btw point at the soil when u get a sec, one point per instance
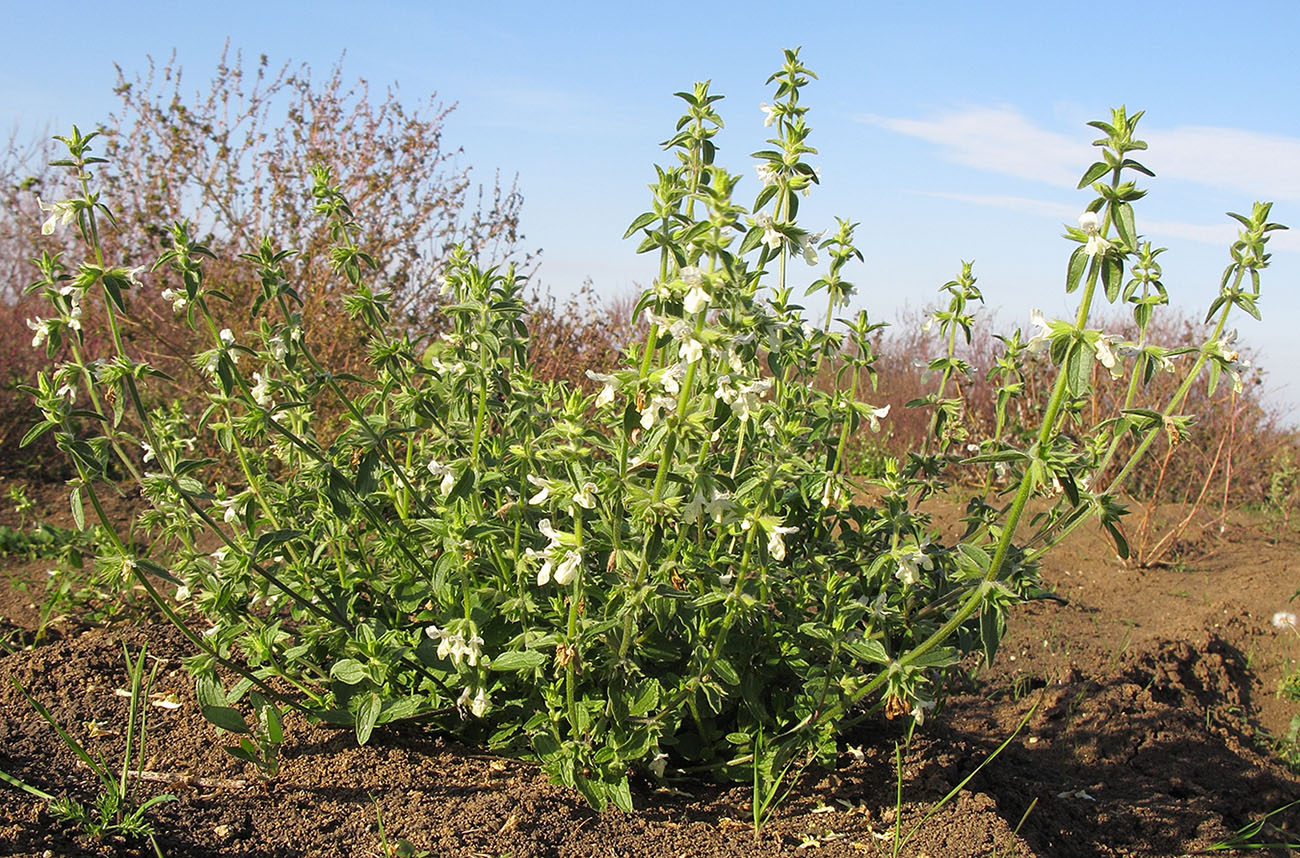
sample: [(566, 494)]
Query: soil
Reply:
[(1150, 699)]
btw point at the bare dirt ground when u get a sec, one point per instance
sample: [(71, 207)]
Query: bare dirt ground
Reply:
[(1156, 708)]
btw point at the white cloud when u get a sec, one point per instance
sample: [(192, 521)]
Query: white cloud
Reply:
[(1262, 166), (1003, 140), (1040, 208)]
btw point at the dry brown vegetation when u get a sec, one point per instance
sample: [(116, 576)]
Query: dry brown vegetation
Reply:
[(231, 155)]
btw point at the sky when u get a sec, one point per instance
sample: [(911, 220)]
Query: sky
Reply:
[(949, 131)]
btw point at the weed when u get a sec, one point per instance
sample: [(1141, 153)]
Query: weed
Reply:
[(399, 848), (114, 811), (259, 743), (900, 840), (1253, 835)]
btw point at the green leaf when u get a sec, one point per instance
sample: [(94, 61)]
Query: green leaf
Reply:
[(463, 485), (991, 628), (1079, 369), (647, 700), (113, 286), (620, 794), (349, 671), (226, 718), (1124, 224), (1112, 274), (275, 537), (1095, 172), (78, 510), (518, 661), (641, 222), (726, 672), (1247, 303), (35, 432), (367, 716), (400, 709), (1078, 261), (1117, 536)]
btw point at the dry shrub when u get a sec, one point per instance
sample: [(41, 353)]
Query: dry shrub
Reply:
[(1234, 442), (233, 158), (584, 333)]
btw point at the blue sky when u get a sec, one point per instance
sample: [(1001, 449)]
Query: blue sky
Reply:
[(951, 131)]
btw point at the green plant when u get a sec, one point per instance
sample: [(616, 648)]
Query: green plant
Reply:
[(47, 540), (900, 839), (115, 810), (22, 503), (399, 848), (1283, 485), (1252, 834), (771, 771), (675, 567), (259, 743)]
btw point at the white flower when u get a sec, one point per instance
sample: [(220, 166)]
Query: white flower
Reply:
[(747, 399), (875, 415), (1044, 336), (650, 413), (543, 493), (658, 764), (233, 507), (1106, 356), (766, 174), (691, 349), (696, 299), (771, 236), (178, 299), (807, 246), (568, 567), (42, 331), (480, 705), (671, 377), (776, 541), (148, 451), (832, 494), (61, 214), (911, 563), (550, 533), (733, 358), (1284, 620), (1096, 244), (453, 645), (606, 395), (770, 110), (227, 338), (447, 474), (261, 395), (716, 505), (586, 498)]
